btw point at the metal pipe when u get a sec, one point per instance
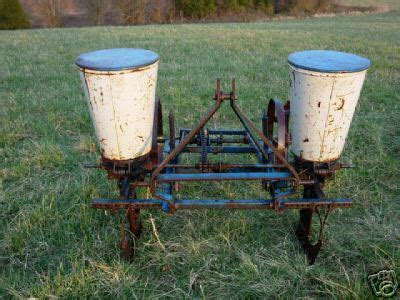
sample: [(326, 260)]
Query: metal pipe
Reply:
[(226, 132), (220, 149), (223, 140), (228, 165), (221, 203), (253, 140), (224, 176)]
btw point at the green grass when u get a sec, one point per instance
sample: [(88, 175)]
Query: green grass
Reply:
[(392, 4), (53, 244)]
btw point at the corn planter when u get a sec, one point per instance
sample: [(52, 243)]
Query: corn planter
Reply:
[(120, 88)]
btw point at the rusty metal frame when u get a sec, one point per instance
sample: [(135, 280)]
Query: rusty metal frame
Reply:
[(249, 126), (281, 178)]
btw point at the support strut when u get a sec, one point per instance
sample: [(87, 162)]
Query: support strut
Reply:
[(303, 231), (128, 244)]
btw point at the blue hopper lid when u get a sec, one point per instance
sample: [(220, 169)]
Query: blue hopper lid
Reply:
[(117, 59), (328, 61)]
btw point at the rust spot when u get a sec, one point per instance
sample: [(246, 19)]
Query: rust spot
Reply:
[(319, 104), (341, 104)]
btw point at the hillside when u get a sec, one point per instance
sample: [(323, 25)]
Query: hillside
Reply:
[(74, 13)]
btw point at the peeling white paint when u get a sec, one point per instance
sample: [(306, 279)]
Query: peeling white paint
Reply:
[(121, 105), (322, 108)]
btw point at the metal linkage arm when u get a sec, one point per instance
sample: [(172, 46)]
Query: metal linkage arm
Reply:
[(278, 155), (187, 139)]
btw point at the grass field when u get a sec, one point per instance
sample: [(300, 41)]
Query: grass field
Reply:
[(391, 4), (53, 244)]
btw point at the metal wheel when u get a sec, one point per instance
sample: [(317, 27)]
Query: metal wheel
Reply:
[(156, 147), (279, 114)]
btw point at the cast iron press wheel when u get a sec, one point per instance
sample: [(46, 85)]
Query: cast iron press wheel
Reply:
[(157, 146), (279, 114)]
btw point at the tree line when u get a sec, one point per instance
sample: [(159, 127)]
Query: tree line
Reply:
[(13, 16)]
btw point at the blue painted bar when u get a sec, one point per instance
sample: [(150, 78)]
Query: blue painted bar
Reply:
[(127, 202), (219, 131), (164, 196), (227, 131), (213, 149), (223, 203), (219, 203), (221, 149), (224, 176)]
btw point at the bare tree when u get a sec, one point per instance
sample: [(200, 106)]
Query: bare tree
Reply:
[(281, 5), (133, 11), (155, 11), (170, 11), (51, 12), (95, 11)]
